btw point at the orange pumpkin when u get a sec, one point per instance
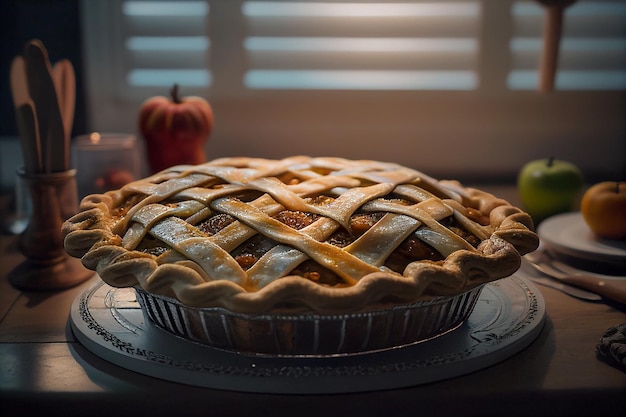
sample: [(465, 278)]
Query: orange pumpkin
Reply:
[(604, 209), (175, 129)]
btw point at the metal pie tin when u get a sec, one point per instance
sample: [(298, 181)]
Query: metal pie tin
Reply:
[(309, 334)]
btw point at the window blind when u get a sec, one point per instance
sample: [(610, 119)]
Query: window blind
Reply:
[(347, 45), (423, 76), (166, 42), (592, 51), (355, 46)]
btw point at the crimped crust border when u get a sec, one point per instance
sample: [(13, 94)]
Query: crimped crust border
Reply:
[(88, 236)]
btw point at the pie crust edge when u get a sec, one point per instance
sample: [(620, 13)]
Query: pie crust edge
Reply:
[(88, 236)]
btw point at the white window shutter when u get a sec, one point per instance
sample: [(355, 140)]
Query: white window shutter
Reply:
[(444, 83), (166, 42), (361, 46), (346, 45)]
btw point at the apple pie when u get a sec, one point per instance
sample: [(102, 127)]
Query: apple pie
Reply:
[(302, 238)]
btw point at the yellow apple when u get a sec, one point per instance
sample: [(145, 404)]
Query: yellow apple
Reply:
[(604, 209)]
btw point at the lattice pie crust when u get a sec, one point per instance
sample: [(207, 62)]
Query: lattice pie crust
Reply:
[(313, 234)]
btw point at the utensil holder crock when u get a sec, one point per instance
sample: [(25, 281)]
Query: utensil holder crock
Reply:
[(47, 265)]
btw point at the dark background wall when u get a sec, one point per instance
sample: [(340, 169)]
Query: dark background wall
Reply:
[(57, 24)]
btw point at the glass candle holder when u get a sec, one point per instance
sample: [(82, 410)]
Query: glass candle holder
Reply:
[(105, 161)]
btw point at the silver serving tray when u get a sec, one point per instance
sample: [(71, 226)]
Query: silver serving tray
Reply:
[(507, 317)]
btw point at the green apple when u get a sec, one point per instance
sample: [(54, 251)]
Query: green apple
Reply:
[(549, 186)]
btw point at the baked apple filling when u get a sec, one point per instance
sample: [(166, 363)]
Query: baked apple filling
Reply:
[(415, 247)]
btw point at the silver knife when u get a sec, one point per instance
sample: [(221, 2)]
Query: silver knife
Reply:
[(612, 288), (567, 289)]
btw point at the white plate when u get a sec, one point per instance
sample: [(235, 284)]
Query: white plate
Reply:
[(508, 316), (569, 235)]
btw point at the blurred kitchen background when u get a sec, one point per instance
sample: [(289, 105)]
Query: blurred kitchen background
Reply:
[(446, 87)]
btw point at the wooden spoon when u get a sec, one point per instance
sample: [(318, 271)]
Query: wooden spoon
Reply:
[(552, 28)]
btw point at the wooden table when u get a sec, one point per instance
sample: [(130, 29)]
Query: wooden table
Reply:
[(44, 370)]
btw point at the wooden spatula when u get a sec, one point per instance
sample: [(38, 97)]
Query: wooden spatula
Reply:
[(65, 85), (19, 84), (55, 156), (28, 130), (26, 117)]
